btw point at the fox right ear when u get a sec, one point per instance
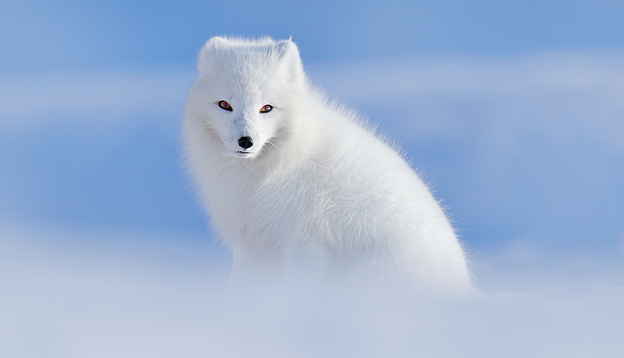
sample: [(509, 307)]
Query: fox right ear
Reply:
[(207, 52)]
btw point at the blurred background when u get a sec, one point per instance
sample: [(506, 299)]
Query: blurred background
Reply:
[(512, 111)]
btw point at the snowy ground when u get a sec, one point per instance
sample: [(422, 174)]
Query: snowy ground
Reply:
[(130, 295)]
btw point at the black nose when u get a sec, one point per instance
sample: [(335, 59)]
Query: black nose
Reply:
[(245, 142)]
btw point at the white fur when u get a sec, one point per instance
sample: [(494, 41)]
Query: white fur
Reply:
[(318, 197)]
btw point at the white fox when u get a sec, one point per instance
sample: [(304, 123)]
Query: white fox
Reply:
[(299, 189)]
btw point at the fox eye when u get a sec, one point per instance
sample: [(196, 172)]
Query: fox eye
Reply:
[(225, 105), (266, 108)]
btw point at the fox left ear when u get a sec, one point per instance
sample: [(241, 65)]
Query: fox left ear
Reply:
[(288, 53), (285, 46)]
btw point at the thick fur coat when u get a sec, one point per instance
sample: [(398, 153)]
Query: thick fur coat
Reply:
[(302, 191)]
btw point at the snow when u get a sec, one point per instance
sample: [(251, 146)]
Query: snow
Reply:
[(141, 295)]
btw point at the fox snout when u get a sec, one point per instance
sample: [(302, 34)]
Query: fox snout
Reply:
[(244, 136)]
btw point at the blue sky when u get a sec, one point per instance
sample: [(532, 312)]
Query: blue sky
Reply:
[(513, 112), (76, 33)]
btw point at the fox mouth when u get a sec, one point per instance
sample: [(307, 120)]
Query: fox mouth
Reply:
[(242, 154), (249, 154)]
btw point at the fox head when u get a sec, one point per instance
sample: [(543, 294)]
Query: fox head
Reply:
[(244, 91)]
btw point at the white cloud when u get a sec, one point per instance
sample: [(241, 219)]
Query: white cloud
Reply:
[(566, 95), (477, 75), (96, 95)]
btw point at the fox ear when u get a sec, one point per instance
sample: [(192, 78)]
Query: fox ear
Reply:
[(287, 49), (216, 42), (207, 53), (288, 54)]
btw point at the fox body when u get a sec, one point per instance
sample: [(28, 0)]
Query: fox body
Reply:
[(301, 190)]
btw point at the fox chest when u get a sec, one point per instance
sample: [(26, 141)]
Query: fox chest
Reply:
[(265, 210)]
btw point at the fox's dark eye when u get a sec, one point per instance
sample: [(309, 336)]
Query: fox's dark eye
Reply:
[(225, 105), (266, 108)]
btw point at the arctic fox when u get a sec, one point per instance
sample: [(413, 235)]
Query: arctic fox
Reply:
[(299, 189)]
